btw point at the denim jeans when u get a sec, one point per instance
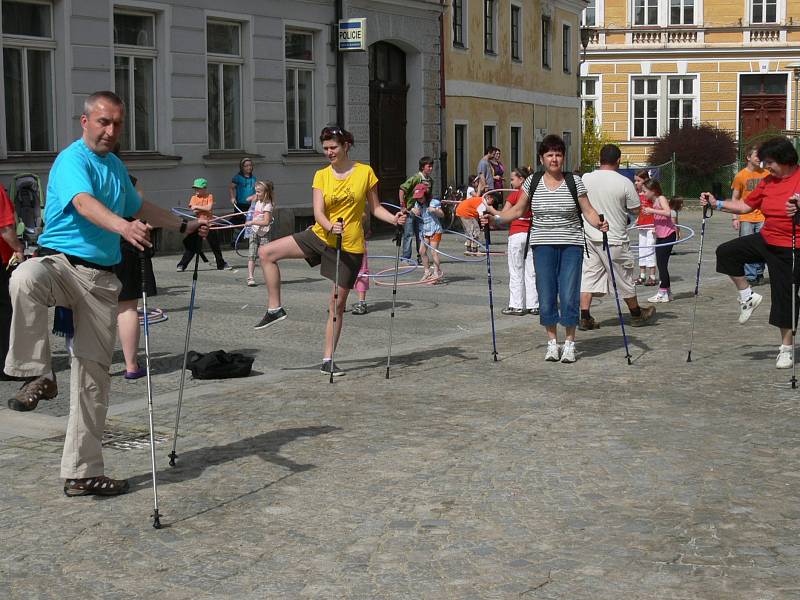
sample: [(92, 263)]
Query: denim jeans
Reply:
[(411, 231), (751, 270), (558, 281)]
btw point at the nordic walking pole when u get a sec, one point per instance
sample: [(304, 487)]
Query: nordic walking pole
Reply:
[(172, 455), (336, 295), (707, 211), (156, 514), (607, 248), (398, 236), (793, 380), (487, 236)]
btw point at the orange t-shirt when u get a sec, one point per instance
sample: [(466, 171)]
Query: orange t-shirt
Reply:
[(203, 205), (746, 181), (468, 209)]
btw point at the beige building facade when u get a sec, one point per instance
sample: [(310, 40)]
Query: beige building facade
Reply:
[(653, 65), (511, 77)]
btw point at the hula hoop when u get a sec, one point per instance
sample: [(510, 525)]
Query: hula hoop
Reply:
[(675, 243), (429, 281), (236, 245), (189, 214), (155, 315), (412, 265)]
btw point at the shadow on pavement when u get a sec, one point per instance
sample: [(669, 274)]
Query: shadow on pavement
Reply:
[(192, 463)]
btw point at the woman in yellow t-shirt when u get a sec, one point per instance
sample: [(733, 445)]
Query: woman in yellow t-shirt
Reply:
[(341, 190)]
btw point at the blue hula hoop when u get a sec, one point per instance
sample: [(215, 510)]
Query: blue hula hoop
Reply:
[(412, 266)]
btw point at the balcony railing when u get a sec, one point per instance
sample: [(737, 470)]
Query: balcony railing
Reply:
[(689, 36)]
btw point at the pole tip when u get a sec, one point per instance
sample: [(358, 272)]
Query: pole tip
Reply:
[(689, 357)]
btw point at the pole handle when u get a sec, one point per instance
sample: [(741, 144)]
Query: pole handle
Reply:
[(708, 210), (339, 236), (605, 234)]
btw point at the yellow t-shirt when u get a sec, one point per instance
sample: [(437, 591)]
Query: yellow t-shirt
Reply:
[(746, 181), (345, 198)]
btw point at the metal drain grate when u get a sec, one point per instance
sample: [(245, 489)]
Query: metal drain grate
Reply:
[(129, 440)]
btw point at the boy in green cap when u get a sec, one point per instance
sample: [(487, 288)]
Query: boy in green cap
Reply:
[(202, 204)]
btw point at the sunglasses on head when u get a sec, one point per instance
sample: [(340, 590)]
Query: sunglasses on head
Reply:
[(333, 131)]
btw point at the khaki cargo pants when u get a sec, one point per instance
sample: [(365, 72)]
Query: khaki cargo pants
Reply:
[(37, 284)]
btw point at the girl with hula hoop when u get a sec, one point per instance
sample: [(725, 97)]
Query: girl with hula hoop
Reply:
[(341, 193), (666, 233)]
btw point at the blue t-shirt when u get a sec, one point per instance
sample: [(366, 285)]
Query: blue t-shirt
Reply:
[(79, 170), (245, 187), (430, 222)]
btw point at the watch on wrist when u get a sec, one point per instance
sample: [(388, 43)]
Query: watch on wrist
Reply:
[(184, 225)]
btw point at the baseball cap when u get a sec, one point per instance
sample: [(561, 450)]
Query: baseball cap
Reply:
[(200, 183)]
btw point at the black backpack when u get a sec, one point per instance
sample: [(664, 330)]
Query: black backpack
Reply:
[(573, 189), (219, 365)]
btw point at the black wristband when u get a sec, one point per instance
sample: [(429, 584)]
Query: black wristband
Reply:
[(184, 225)]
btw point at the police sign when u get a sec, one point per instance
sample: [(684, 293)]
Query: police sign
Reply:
[(352, 34)]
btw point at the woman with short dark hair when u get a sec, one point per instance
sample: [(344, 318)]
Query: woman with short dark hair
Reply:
[(557, 242), (776, 197)]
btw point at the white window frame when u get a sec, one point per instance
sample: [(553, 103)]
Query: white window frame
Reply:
[(596, 98), (663, 97), (520, 32), (683, 10), (646, 97), (660, 9), (321, 41), (680, 96), (25, 43), (584, 23), (308, 66), (495, 29), (139, 52), (465, 163), (780, 12), (516, 161)]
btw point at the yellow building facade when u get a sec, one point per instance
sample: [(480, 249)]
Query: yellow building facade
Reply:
[(511, 77), (652, 65)]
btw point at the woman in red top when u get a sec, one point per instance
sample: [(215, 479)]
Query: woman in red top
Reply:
[(523, 298), (645, 224), (776, 197)]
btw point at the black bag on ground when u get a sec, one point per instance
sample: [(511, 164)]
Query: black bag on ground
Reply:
[(219, 365)]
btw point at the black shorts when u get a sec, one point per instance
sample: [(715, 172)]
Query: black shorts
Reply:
[(318, 252), (735, 253), (129, 273)]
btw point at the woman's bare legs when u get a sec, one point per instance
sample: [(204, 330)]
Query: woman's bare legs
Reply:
[(128, 326), (269, 255), (330, 342)]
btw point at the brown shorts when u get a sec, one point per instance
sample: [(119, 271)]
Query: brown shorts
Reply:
[(318, 252)]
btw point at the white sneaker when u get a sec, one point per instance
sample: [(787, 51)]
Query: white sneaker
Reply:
[(747, 307), (661, 297), (784, 360), (552, 351), (568, 352)]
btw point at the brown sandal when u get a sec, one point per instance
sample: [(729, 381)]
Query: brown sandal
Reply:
[(99, 486), (27, 398)]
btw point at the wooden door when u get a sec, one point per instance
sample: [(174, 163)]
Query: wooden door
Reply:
[(387, 118), (762, 103)]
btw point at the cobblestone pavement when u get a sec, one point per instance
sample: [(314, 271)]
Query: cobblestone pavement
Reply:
[(457, 477)]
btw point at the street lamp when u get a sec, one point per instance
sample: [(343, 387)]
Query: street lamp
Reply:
[(795, 67), (586, 37)]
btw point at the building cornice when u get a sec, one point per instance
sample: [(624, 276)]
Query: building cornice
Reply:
[(574, 6), (401, 6), (489, 91), (740, 53)]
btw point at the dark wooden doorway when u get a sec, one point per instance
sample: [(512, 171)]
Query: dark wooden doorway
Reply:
[(387, 117), (762, 104)]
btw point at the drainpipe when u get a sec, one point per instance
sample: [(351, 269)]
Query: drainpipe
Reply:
[(442, 107), (339, 12)]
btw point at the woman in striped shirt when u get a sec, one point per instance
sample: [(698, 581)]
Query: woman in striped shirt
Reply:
[(557, 241)]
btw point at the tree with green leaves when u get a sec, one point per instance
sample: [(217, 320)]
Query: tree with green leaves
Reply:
[(593, 140)]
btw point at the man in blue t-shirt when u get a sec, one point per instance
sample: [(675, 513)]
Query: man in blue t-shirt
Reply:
[(89, 194)]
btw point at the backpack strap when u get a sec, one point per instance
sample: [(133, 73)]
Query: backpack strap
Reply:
[(535, 179), (573, 189)]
